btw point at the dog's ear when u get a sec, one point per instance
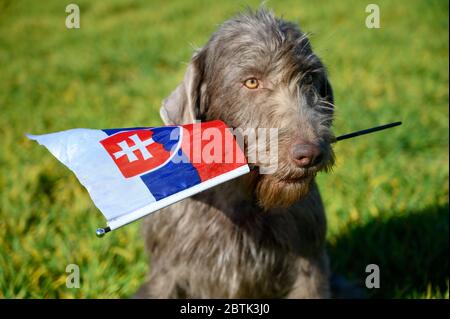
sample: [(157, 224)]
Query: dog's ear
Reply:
[(183, 104)]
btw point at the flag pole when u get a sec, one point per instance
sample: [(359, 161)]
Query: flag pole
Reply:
[(100, 232), (367, 131)]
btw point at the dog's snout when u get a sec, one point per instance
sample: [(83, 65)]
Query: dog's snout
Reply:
[(307, 154)]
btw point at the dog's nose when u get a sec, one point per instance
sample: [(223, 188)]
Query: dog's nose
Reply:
[(306, 155)]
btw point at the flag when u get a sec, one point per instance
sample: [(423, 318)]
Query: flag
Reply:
[(132, 172)]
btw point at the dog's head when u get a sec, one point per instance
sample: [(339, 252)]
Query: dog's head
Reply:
[(258, 71)]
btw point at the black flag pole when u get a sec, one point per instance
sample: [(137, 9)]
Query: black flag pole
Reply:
[(367, 131), (100, 232)]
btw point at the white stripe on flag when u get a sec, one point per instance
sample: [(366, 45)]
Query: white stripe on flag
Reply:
[(80, 150)]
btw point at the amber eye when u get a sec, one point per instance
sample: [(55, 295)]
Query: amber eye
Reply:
[(251, 83)]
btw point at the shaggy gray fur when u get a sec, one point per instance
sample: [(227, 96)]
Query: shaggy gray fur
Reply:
[(260, 235)]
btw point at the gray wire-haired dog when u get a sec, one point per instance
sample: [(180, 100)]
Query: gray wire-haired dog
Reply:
[(259, 235)]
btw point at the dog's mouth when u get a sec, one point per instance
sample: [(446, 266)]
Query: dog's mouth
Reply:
[(288, 178)]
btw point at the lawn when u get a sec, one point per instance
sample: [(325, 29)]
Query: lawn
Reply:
[(386, 200)]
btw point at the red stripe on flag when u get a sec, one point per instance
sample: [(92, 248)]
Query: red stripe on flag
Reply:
[(211, 148)]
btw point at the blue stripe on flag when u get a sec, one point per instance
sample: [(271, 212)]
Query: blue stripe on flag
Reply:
[(116, 130), (171, 178), (167, 136)]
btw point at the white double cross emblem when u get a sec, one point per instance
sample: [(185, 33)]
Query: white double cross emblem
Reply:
[(139, 145)]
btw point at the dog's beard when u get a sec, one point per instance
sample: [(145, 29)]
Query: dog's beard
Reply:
[(285, 187), (271, 192)]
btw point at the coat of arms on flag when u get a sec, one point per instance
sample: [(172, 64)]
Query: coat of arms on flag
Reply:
[(132, 172)]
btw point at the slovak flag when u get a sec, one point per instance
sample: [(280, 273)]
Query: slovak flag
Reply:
[(132, 172)]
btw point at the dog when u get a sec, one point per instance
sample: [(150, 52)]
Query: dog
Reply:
[(260, 235)]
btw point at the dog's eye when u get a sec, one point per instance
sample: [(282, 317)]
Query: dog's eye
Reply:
[(308, 79), (252, 83)]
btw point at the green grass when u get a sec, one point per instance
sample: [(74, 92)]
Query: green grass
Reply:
[(387, 199)]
